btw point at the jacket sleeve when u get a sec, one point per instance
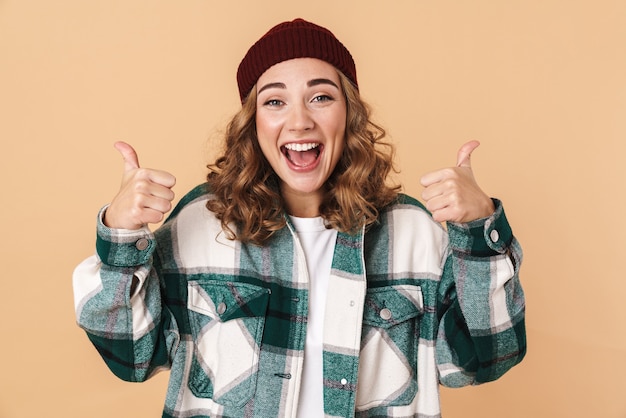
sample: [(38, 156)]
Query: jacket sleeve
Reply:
[(134, 333), (481, 331)]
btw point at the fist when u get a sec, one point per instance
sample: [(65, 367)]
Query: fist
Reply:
[(145, 195), (452, 194)]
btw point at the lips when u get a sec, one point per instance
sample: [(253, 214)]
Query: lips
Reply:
[(302, 155)]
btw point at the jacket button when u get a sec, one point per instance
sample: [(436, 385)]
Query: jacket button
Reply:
[(221, 308), (385, 314), (494, 235), (142, 244)]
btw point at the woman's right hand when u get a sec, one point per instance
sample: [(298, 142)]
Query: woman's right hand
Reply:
[(145, 195)]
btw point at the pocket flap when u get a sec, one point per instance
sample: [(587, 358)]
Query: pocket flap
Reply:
[(223, 300), (390, 305)]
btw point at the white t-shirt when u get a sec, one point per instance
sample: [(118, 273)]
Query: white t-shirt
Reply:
[(318, 244)]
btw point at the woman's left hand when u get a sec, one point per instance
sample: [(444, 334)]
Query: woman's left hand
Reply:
[(452, 194)]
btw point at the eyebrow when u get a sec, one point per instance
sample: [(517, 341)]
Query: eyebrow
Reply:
[(318, 81), (310, 83), (271, 86)]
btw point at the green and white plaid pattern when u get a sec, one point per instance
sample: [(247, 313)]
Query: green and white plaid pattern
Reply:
[(410, 305)]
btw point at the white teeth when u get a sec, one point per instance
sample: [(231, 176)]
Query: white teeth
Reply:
[(301, 147)]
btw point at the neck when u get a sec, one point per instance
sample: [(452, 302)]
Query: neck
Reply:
[(302, 205)]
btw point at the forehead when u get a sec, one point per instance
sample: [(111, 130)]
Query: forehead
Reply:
[(299, 69)]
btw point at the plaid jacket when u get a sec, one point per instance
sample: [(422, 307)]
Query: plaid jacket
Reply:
[(409, 306)]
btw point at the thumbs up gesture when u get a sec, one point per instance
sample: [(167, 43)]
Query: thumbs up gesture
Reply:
[(145, 195), (452, 194)]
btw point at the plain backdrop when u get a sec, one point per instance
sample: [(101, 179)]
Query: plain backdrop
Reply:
[(541, 83)]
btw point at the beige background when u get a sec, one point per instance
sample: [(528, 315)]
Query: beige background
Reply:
[(541, 83)]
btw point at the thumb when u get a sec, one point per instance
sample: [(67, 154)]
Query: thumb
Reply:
[(464, 154), (131, 161)]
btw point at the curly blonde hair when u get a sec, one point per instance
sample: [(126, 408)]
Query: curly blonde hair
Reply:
[(247, 190)]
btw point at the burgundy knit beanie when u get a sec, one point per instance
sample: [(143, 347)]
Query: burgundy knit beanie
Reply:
[(288, 40)]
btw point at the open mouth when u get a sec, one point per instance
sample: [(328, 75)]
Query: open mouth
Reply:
[(302, 154)]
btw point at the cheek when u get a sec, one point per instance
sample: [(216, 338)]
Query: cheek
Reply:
[(267, 129), (262, 133), (267, 137), (259, 126), (339, 149), (340, 123), (340, 134)]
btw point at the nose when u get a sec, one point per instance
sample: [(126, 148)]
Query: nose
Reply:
[(299, 118)]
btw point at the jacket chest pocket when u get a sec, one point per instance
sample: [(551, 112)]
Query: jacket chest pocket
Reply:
[(227, 321), (389, 346)]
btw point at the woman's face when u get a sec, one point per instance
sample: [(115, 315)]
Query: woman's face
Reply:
[(301, 122)]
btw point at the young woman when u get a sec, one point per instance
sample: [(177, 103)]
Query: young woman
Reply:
[(297, 282)]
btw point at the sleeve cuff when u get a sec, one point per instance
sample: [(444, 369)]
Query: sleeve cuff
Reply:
[(123, 247), (483, 237)]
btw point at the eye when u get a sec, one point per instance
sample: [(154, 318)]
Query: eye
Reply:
[(322, 98), (273, 103)]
